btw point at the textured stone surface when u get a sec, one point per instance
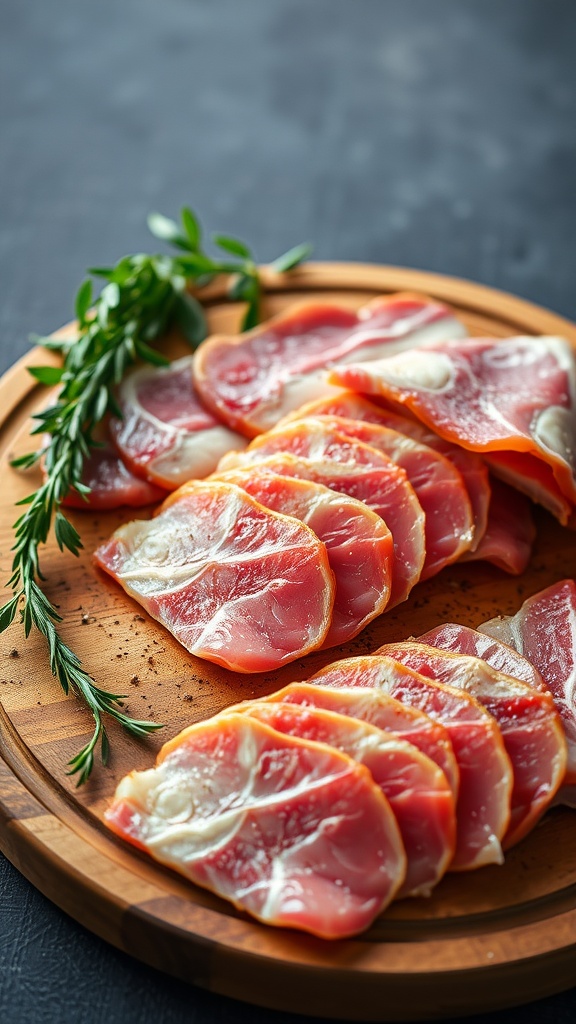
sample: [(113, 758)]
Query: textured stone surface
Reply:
[(435, 134)]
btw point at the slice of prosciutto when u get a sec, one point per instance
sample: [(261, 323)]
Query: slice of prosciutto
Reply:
[(252, 380), (415, 787), (166, 434), (544, 632), (358, 542), (111, 484), (483, 807), (438, 485), (294, 833), (471, 467), (510, 531), (385, 712), (529, 723), (451, 636), (233, 582), (344, 464), (513, 399)]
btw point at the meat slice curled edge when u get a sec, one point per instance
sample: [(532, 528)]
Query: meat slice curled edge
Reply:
[(529, 723), (234, 582), (166, 435), (483, 807), (544, 632), (512, 398), (291, 831), (252, 380)]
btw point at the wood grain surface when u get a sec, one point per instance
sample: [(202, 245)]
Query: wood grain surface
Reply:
[(494, 938)]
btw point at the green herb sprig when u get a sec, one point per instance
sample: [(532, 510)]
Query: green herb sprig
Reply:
[(142, 298)]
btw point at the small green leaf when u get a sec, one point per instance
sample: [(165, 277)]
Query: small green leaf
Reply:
[(8, 612), (232, 245), (26, 461), (292, 258), (190, 318), (192, 228), (150, 355), (166, 230), (252, 315), (47, 374), (241, 287), (83, 300), (66, 535)]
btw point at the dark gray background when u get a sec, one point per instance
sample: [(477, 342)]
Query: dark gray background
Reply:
[(438, 134)]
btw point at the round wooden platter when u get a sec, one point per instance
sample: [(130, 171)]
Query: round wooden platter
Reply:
[(494, 938)]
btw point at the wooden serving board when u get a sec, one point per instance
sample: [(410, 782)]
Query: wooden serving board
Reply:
[(490, 939)]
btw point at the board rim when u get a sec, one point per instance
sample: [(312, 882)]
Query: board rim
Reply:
[(32, 833)]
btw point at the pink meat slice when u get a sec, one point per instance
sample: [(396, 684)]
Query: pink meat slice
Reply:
[(358, 543), (511, 398), (166, 434), (416, 789), (510, 532), (234, 582), (252, 380), (438, 485), (111, 484), (294, 833), (380, 709), (471, 467), (483, 807), (462, 640), (329, 457), (529, 723), (544, 632)]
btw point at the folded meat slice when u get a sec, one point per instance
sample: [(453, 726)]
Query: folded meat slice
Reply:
[(544, 632), (166, 434), (111, 484), (471, 467), (329, 457), (462, 640), (293, 832), (251, 380), (358, 542), (512, 398), (438, 485), (510, 531), (380, 709), (234, 582), (529, 723), (483, 807), (416, 788)]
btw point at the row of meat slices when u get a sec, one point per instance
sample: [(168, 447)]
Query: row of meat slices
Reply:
[(388, 508), (317, 806)]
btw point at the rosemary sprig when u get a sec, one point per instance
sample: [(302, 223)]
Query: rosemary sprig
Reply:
[(143, 296)]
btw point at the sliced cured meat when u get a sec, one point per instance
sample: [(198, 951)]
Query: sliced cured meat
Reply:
[(529, 723), (504, 658), (512, 398), (510, 532), (473, 470), (166, 434), (438, 485), (358, 543), (293, 832), (379, 709), (483, 807), (415, 787), (234, 582), (111, 484), (343, 464), (544, 631), (250, 381)]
